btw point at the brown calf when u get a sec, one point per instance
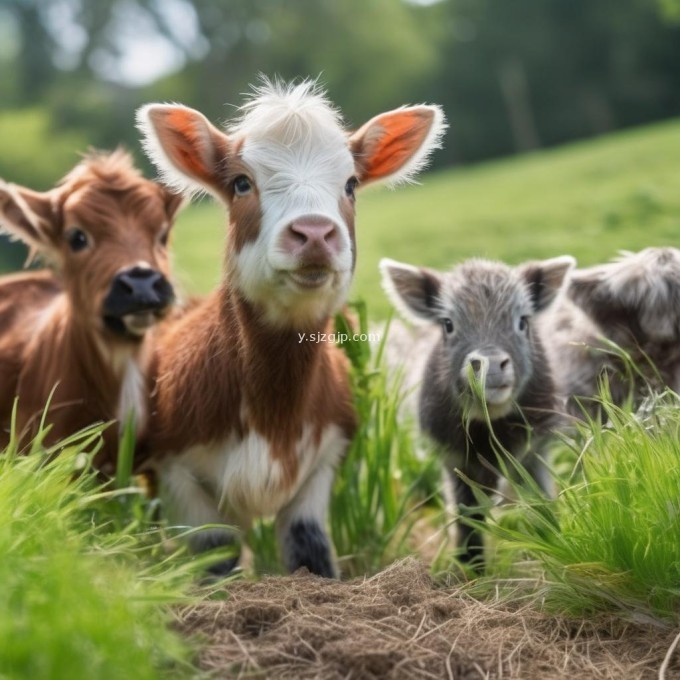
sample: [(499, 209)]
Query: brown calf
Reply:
[(248, 418), (83, 329)]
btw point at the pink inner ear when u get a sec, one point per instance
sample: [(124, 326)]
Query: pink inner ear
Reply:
[(403, 133), (183, 135)]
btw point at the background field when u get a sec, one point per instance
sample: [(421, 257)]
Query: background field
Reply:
[(589, 199)]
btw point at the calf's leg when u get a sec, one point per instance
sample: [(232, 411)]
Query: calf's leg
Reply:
[(188, 503), (470, 540), (300, 526)]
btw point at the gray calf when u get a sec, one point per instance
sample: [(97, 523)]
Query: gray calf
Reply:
[(487, 381), (632, 302)]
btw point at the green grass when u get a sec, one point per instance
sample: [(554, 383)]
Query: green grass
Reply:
[(609, 542), (381, 486), (588, 199), (86, 583)]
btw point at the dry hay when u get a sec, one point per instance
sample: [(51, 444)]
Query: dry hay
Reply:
[(398, 625)]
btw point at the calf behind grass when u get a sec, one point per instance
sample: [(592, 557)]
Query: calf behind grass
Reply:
[(246, 420), (618, 324), (487, 386), (79, 333)]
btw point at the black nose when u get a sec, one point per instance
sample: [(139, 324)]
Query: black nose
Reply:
[(138, 289)]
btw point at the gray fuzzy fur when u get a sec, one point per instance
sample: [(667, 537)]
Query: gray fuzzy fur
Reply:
[(485, 303), (632, 302)]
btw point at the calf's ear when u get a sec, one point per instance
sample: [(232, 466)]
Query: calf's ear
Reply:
[(586, 290), (185, 147), (414, 291), (545, 279), (29, 216), (395, 146)]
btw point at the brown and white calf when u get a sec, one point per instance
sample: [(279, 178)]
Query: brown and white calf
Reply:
[(246, 419), (629, 305), (83, 327)]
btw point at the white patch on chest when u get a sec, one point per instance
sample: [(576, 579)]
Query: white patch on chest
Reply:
[(243, 478), (132, 399)]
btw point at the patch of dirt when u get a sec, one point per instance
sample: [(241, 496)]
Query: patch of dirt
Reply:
[(399, 625)]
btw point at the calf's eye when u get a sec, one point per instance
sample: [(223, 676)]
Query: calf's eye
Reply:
[(351, 186), (242, 186), (447, 325), (523, 325), (77, 239)]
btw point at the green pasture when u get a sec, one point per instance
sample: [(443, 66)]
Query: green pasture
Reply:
[(589, 199)]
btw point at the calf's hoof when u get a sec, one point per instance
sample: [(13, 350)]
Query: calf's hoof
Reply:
[(307, 545), (214, 540)]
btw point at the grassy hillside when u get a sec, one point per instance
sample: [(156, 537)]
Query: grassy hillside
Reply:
[(589, 199)]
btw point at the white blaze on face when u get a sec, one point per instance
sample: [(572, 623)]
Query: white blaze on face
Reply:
[(300, 162), (292, 159)]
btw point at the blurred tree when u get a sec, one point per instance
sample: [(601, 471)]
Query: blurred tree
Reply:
[(75, 52), (515, 75), (366, 68), (670, 10), (512, 75), (35, 69)]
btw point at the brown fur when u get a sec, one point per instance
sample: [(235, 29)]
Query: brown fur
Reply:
[(18, 293), (245, 217), (245, 214), (240, 381), (51, 328)]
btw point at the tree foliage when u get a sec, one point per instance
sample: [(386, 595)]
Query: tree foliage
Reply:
[(512, 75), (670, 10), (540, 72)]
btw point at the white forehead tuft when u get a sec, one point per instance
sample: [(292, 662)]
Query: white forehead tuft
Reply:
[(287, 112), (295, 143)]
